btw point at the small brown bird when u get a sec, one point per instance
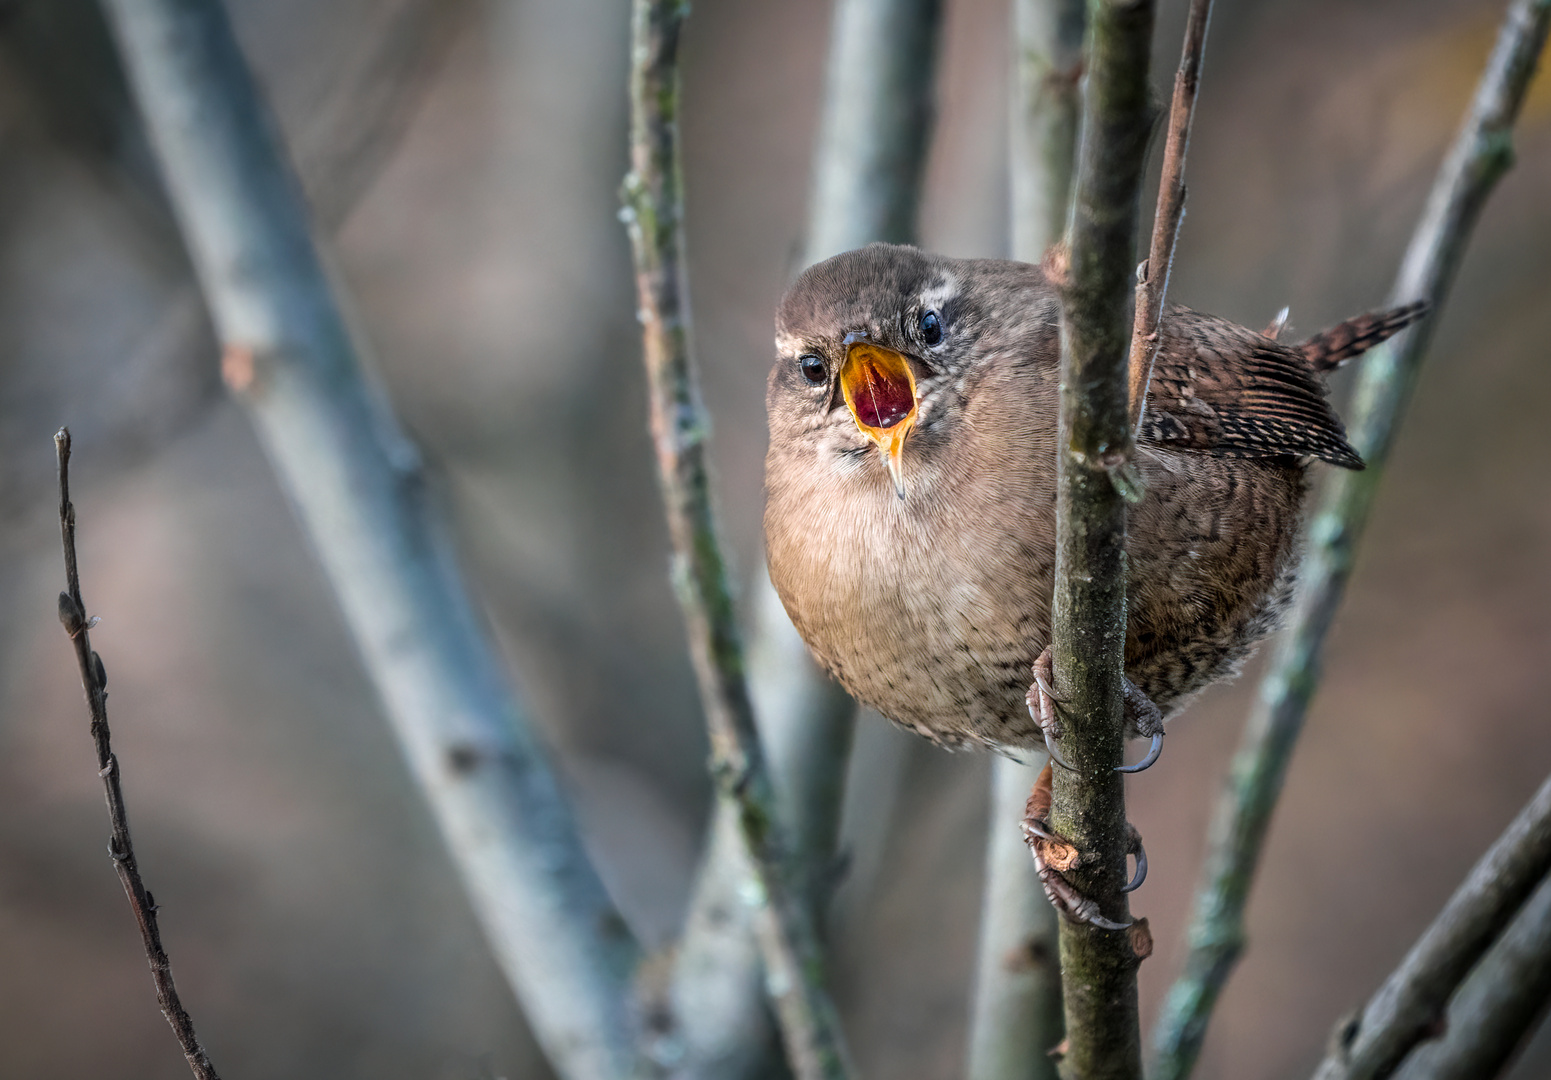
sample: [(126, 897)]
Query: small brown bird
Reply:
[(910, 488)]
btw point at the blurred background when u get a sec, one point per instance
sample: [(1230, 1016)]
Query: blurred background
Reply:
[(463, 157)]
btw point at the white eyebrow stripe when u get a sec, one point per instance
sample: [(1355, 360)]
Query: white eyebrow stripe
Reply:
[(937, 296)]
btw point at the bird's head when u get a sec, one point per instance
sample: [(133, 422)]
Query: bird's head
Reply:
[(872, 349)]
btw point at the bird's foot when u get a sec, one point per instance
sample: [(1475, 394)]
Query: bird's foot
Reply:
[(1042, 703), (1053, 855), (1140, 714), (1147, 719)]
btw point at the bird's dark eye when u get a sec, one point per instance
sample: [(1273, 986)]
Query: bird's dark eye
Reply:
[(813, 369), (931, 328)]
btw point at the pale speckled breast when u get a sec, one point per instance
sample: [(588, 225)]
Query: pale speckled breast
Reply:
[(929, 609)]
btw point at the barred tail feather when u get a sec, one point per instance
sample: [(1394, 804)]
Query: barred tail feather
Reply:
[(1329, 349)]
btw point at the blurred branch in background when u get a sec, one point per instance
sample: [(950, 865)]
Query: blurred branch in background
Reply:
[(1088, 612), (868, 162), (876, 125), (1411, 1005), (1152, 286), (1015, 1017), (654, 215), (141, 380), (1499, 1003), (121, 848), (357, 486), (1480, 155)]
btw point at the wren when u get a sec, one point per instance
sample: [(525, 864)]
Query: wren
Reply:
[(911, 483)]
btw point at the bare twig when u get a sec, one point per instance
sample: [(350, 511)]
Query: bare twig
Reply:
[(1088, 617), (1498, 1004), (94, 680), (1409, 1007), (1152, 284), (1479, 157), (357, 485), (1015, 1017), (869, 157), (653, 213)]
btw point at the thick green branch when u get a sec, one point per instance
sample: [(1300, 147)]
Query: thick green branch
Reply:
[(1480, 155), (1089, 613), (653, 195)]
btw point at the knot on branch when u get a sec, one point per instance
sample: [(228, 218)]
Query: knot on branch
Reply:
[(70, 615)]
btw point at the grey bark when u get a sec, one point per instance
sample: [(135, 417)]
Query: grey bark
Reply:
[(1409, 1007), (358, 488), (1499, 1004)]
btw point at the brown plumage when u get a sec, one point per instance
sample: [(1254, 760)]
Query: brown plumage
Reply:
[(931, 606)]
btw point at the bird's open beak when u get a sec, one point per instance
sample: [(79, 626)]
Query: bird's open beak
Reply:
[(880, 391)]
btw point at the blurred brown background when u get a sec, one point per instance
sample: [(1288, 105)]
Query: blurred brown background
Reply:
[(464, 156)]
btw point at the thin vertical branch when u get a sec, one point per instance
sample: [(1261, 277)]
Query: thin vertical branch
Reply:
[(1015, 1017), (121, 848), (1409, 1007), (1089, 612), (653, 195), (869, 158), (1499, 1003), (1481, 154), (1153, 284), (356, 484)]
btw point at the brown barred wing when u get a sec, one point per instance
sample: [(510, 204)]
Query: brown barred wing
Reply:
[(1222, 389)]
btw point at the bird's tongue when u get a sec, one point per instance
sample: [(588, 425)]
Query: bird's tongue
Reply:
[(879, 388)]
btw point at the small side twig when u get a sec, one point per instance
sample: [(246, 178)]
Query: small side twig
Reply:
[(1498, 1004), (653, 213), (121, 848), (1088, 616), (1409, 1007), (1481, 153), (1152, 284)]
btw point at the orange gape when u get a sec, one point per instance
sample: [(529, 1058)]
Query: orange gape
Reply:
[(880, 391), (878, 387)]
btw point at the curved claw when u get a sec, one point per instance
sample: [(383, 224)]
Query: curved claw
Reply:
[(1055, 755), (1141, 868), (1037, 827), (1044, 684), (1147, 762), (1104, 924)]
